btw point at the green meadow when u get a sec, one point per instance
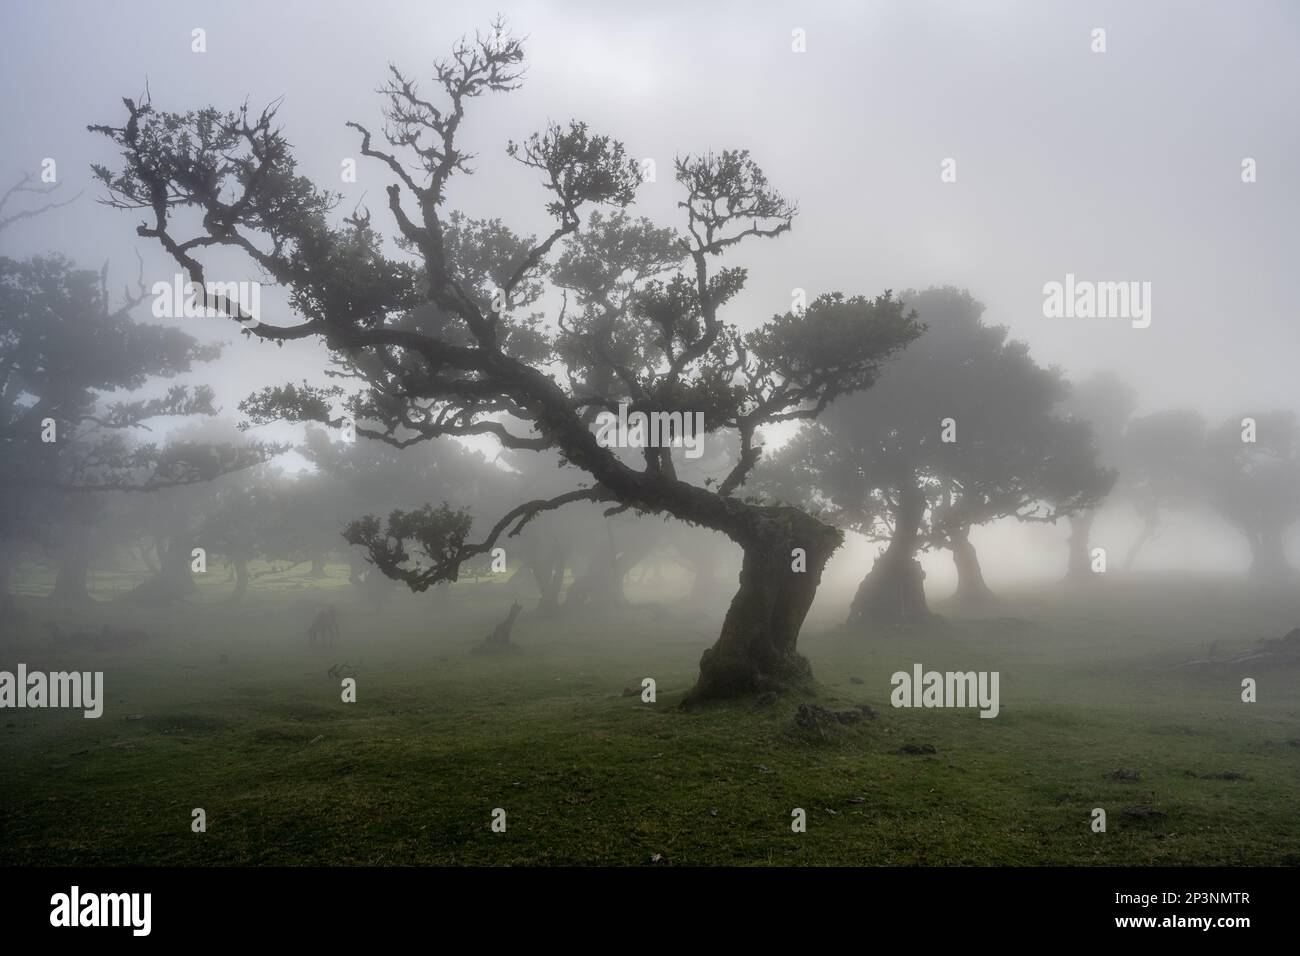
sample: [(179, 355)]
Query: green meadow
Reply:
[(225, 708)]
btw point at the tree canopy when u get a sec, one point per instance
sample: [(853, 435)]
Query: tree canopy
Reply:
[(437, 335)]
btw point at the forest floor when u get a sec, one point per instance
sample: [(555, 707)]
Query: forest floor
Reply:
[(228, 710)]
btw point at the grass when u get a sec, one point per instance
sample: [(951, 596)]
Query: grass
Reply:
[(439, 738)]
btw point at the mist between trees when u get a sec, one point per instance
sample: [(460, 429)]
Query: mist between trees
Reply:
[(474, 368)]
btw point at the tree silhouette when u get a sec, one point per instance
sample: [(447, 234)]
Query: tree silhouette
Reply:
[(1163, 468), (65, 348), (439, 347), (959, 431), (1255, 485), (1106, 402)]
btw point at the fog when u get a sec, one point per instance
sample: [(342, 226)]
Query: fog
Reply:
[(1117, 165), (1061, 370)]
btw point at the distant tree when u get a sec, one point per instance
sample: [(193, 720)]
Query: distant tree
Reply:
[(1162, 468), (1255, 485), (1106, 402), (1035, 467), (252, 518), (180, 516), (437, 348), (354, 476), (66, 354), (883, 468)]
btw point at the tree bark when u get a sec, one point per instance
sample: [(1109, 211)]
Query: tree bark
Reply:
[(175, 578), (892, 595), (548, 572), (1080, 564), (757, 649), (971, 586), (317, 568)]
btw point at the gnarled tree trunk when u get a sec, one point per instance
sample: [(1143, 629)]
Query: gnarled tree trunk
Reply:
[(175, 578), (971, 587), (757, 649), (1080, 564), (892, 595), (548, 572)]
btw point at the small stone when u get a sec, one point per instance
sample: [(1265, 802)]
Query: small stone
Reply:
[(1144, 813), (915, 749)]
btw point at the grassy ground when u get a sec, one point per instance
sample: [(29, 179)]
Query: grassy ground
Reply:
[(228, 710)]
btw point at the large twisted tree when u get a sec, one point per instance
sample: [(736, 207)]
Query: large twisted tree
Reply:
[(443, 334)]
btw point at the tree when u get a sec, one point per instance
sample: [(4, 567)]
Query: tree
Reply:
[(1254, 478), (180, 516), (1106, 402), (959, 431), (353, 476), (1033, 466), (438, 347), (1163, 468), (26, 187), (65, 351)]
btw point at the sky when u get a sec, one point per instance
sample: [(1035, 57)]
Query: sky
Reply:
[(1122, 165)]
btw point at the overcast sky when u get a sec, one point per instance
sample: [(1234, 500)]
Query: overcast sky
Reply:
[(1122, 165)]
